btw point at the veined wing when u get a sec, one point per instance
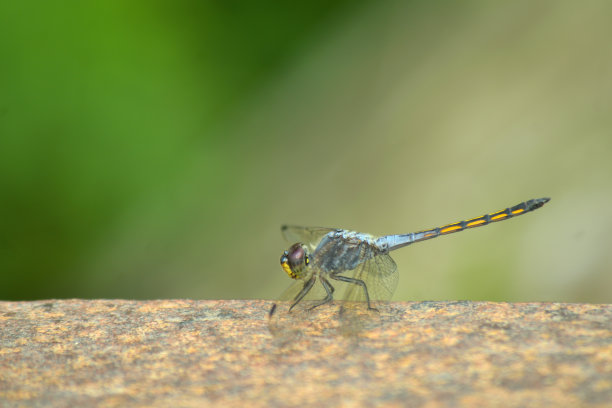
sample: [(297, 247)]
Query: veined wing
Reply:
[(380, 277), (309, 236), (315, 293), (379, 273)]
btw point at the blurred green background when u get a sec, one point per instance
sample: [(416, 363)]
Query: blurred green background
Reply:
[(152, 149)]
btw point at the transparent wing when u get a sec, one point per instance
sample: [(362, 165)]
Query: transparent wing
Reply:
[(380, 276), (316, 292), (306, 235)]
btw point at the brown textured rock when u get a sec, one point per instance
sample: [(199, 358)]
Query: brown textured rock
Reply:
[(181, 353)]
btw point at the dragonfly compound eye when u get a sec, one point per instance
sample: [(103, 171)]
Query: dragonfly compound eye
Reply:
[(294, 261)]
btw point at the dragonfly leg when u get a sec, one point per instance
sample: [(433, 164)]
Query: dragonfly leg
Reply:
[(272, 311), (355, 282), (329, 289), (305, 289)]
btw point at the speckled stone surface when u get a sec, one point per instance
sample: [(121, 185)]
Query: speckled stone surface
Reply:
[(183, 353)]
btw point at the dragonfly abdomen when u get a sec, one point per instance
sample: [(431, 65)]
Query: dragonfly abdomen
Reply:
[(398, 241)]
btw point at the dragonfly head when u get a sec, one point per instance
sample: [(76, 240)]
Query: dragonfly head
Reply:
[(295, 260)]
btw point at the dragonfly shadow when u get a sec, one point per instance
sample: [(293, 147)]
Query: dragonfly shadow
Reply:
[(337, 319)]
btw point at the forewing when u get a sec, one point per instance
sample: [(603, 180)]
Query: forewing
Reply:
[(307, 235), (316, 292)]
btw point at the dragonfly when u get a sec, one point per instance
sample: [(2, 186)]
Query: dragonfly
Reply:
[(322, 257)]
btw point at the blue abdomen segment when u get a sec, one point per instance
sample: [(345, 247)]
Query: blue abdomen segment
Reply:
[(392, 242)]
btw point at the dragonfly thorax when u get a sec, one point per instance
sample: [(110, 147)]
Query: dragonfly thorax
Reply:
[(295, 260)]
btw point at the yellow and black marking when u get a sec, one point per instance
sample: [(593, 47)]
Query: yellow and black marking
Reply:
[(506, 214), (287, 269)]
